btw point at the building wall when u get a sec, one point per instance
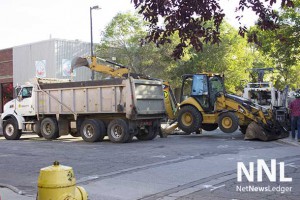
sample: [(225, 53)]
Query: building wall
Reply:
[(65, 51), (49, 59), (26, 56)]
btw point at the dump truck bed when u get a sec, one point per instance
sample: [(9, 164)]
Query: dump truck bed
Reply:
[(136, 98)]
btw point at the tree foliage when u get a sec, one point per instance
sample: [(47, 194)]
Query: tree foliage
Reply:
[(282, 45), (121, 39), (232, 57), (189, 18)]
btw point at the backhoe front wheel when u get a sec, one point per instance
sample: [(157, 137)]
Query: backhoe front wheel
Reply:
[(189, 119), (228, 122)]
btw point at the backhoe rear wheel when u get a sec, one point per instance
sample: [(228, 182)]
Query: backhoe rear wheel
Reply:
[(228, 122), (189, 119)]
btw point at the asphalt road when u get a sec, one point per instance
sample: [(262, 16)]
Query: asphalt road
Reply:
[(177, 167)]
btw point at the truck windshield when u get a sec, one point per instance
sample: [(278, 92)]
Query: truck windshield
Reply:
[(26, 92)]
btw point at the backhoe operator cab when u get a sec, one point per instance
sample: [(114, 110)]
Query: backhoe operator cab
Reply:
[(203, 88), (198, 107)]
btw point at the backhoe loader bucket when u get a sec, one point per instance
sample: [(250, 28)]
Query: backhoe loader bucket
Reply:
[(256, 131), (79, 62)]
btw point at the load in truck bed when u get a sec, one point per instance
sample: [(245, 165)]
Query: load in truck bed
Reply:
[(115, 81)]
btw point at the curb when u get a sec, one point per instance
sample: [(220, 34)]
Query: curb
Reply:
[(12, 188), (289, 141)]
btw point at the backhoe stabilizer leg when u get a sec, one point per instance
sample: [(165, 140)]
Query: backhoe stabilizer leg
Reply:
[(169, 129), (255, 131)]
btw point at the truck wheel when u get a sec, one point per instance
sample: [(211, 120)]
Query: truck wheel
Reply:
[(189, 119), (147, 134), (209, 127), (10, 130), (91, 130), (228, 122), (118, 131), (49, 128)]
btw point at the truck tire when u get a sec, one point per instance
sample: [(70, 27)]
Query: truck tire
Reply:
[(91, 130), (228, 122), (118, 131), (209, 127), (149, 133), (49, 128), (189, 119), (10, 130)]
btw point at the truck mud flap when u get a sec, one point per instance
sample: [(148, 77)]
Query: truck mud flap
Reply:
[(258, 132)]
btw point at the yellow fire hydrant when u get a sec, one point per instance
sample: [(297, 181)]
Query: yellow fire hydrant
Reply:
[(57, 182)]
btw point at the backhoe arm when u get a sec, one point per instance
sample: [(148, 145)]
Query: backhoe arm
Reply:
[(95, 66)]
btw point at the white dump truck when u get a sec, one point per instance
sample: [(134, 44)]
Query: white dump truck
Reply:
[(120, 108)]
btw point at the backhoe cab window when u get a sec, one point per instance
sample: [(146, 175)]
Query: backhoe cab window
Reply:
[(199, 85), (26, 92), (200, 90), (187, 88), (216, 85)]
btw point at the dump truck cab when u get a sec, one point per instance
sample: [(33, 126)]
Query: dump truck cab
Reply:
[(22, 105)]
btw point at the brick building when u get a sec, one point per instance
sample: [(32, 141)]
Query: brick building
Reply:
[(6, 76)]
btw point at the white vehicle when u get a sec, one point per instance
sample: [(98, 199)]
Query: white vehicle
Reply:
[(119, 108), (263, 94)]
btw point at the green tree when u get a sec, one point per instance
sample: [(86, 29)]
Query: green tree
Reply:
[(189, 19), (232, 57), (121, 39), (282, 46)]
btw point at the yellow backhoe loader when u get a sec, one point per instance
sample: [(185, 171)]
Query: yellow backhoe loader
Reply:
[(204, 104)]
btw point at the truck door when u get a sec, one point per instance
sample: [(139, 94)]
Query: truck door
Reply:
[(24, 103)]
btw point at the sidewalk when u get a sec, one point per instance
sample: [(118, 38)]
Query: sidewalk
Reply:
[(7, 194)]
